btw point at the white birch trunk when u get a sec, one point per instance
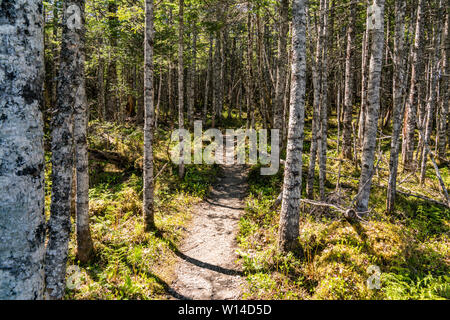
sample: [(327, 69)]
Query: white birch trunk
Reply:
[(282, 61), (22, 164), (84, 240), (373, 110), (348, 91), (149, 119), (59, 224), (290, 208)]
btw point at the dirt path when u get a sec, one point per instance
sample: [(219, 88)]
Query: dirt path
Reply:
[(207, 268)]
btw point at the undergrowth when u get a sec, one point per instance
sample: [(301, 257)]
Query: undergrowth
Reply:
[(411, 247), (129, 263)]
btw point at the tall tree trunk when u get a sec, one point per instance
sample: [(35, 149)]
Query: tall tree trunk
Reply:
[(316, 79), (397, 97), (290, 208), (170, 76), (411, 106), (221, 73), (158, 111), (249, 73), (443, 120), (140, 97), (22, 220), (149, 125), (62, 153), (170, 88), (259, 58), (364, 63), (208, 80), (101, 86), (286, 99), (432, 92), (348, 91), (111, 90), (193, 73), (282, 60), (323, 102), (181, 84), (84, 240), (214, 83), (373, 108), (112, 111)]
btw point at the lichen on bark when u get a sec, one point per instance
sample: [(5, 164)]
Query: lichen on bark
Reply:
[(22, 221)]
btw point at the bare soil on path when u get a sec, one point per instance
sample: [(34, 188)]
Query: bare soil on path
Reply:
[(207, 268)]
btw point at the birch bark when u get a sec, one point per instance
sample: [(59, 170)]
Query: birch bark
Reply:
[(373, 109), (149, 119), (290, 209), (22, 220), (348, 91), (84, 240), (59, 224), (282, 61)]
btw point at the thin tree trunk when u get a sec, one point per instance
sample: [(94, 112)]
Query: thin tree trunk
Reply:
[(250, 100), (22, 195), (140, 97), (84, 240), (208, 80), (316, 113), (214, 87), (282, 60), (149, 118), (221, 73), (397, 97), (112, 111), (411, 107), (170, 90), (290, 208), (286, 100), (364, 63), (158, 111), (191, 84), (348, 93), (62, 155), (194, 70), (181, 84), (338, 116), (323, 103), (432, 92), (443, 120), (101, 86), (373, 110)]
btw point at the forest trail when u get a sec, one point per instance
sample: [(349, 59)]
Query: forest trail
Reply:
[(207, 268)]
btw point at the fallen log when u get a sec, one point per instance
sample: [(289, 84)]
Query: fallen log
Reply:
[(407, 193), (415, 195), (349, 214), (110, 156)]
